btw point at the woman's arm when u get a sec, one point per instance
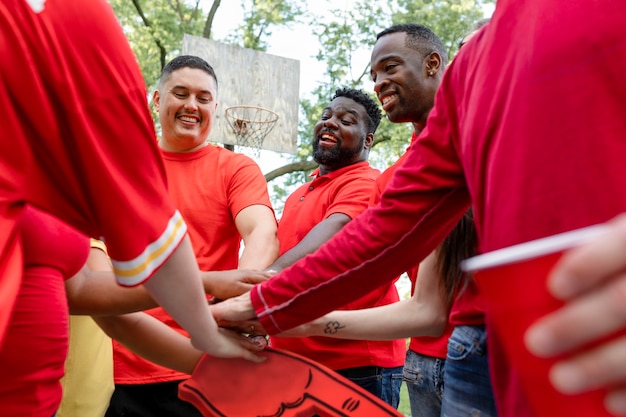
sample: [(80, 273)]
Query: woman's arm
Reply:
[(424, 314)]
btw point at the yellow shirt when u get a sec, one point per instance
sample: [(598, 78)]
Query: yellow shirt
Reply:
[(88, 381)]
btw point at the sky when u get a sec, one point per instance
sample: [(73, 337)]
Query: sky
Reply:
[(297, 42)]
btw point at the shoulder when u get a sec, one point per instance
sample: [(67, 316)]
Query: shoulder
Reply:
[(361, 170)]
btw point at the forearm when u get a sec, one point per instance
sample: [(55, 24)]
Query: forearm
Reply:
[(98, 293), (177, 287), (389, 322), (152, 339), (316, 237)]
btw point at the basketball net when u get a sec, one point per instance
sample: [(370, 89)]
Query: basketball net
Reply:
[(251, 124)]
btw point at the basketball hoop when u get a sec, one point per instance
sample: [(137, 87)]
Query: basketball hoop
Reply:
[(251, 124)]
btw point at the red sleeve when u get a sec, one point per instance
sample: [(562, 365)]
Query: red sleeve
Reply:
[(92, 143), (247, 186), (425, 199)]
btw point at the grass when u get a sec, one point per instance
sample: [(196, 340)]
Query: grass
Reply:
[(404, 407)]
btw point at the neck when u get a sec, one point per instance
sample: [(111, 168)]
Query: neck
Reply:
[(327, 169), (180, 147)]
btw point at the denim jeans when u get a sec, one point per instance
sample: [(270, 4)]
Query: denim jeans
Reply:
[(424, 381), (466, 375), (384, 383)]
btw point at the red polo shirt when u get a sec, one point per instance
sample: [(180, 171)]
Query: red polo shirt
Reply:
[(345, 191)]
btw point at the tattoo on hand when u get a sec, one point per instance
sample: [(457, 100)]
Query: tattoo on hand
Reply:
[(333, 327)]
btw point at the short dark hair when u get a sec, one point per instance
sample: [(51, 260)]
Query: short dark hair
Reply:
[(373, 111), (186, 61), (475, 28), (420, 38)]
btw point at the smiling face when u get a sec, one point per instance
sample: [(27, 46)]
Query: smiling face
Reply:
[(186, 103), (405, 80), (340, 136)]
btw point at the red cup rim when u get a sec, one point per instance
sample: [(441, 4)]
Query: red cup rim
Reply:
[(533, 249)]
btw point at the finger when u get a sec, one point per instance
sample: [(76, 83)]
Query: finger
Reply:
[(616, 401), (597, 368), (580, 321), (260, 342), (234, 309), (251, 356), (256, 279), (583, 268)]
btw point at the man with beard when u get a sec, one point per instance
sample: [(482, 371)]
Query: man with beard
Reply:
[(340, 190)]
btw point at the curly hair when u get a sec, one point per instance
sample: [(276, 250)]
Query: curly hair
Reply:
[(373, 111)]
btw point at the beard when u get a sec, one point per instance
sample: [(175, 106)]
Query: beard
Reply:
[(336, 156)]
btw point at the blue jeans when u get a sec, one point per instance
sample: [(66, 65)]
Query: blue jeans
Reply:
[(384, 383), (424, 381), (466, 375)]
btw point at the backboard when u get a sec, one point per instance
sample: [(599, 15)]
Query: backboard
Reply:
[(252, 78)]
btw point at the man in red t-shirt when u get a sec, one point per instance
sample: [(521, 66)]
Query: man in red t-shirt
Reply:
[(223, 198), (339, 192), (407, 65), (528, 128)]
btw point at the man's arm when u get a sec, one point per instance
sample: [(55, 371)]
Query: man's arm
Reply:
[(257, 226), (316, 237)]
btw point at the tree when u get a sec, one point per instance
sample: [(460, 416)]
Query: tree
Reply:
[(155, 30), (355, 29)]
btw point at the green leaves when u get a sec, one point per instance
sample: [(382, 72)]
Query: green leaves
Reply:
[(155, 31)]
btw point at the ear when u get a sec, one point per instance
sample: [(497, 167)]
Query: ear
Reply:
[(432, 63), (156, 100), (369, 140)]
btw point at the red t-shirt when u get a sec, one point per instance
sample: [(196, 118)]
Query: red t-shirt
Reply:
[(528, 126), (210, 187), (32, 357), (347, 191), (87, 154)]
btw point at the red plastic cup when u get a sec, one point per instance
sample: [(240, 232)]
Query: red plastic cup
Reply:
[(513, 283)]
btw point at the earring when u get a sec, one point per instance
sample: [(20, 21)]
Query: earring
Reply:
[(431, 73)]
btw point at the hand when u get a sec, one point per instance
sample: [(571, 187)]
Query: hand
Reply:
[(234, 310), (231, 344), (250, 327), (231, 283), (592, 279)]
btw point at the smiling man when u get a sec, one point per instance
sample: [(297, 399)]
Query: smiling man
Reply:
[(223, 198), (340, 190)]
